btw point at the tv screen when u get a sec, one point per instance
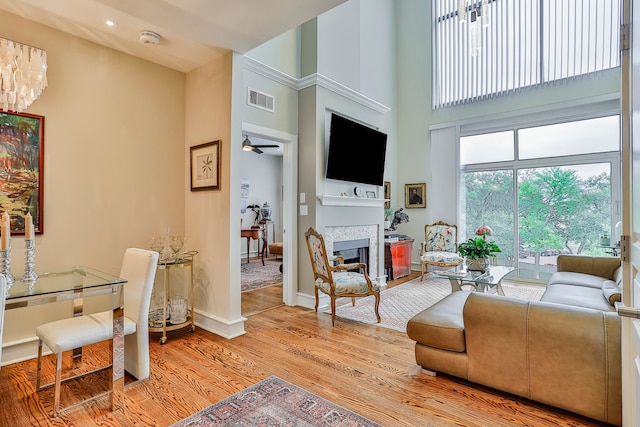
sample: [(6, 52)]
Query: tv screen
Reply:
[(356, 152)]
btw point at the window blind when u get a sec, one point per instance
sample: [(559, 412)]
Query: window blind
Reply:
[(490, 48)]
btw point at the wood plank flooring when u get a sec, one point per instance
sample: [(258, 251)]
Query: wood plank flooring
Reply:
[(365, 368)]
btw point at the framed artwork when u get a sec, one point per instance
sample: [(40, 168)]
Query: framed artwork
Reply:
[(387, 194), (371, 194), (205, 166), (415, 195), (21, 169)]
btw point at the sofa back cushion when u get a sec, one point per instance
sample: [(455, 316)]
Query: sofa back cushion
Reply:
[(597, 266)]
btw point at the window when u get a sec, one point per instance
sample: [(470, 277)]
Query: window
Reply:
[(557, 194), (487, 48)]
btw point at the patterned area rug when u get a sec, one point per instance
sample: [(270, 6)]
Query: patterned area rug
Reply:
[(255, 276), (275, 402), (400, 303)]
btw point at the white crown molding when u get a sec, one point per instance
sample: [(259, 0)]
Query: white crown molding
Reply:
[(340, 89), (271, 73), (315, 79)]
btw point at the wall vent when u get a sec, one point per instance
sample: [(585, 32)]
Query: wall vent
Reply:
[(261, 100)]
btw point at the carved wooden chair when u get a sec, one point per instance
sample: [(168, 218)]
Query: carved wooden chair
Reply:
[(342, 280), (440, 247)]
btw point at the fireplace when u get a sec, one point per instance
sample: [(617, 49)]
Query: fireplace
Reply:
[(365, 236), (353, 251)]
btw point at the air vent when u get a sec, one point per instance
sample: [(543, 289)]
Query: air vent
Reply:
[(261, 100)]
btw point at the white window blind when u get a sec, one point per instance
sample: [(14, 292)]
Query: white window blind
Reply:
[(489, 48)]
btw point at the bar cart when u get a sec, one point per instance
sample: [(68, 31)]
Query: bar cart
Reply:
[(160, 319)]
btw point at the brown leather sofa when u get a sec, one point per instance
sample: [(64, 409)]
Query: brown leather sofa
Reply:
[(563, 351)]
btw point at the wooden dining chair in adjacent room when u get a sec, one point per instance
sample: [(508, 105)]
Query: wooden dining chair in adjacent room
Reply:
[(139, 269)]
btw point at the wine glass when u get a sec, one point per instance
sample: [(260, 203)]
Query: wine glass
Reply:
[(157, 244), (176, 243)]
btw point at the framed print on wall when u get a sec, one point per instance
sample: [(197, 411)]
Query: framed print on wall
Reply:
[(387, 194), (205, 166), (415, 195), (21, 169)]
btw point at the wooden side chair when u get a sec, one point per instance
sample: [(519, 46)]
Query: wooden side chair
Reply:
[(342, 280), (440, 247)]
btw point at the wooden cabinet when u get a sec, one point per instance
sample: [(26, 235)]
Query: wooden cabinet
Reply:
[(397, 258)]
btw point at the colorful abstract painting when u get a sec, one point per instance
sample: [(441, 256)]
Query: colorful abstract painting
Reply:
[(21, 161)]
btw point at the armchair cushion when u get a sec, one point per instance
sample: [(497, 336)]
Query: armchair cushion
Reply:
[(441, 257), (440, 237), (348, 282)]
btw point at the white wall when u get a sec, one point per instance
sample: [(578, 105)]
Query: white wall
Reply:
[(264, 173)]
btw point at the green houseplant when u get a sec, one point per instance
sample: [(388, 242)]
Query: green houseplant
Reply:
[(477, 251)]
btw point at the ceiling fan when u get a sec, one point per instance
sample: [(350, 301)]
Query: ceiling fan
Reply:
[(247, 146)]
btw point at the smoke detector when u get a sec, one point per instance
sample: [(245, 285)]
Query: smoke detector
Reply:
[(149, 37)]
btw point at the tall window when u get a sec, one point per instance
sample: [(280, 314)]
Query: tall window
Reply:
[(544, 190), (486, 48)]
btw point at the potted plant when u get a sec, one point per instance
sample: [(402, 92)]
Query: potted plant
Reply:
[(477, 251), (388, 214)]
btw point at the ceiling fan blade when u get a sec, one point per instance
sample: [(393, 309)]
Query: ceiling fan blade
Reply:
[(266, 146), (256, 149)]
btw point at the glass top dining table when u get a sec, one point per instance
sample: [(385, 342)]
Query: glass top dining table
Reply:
[(73, 284)]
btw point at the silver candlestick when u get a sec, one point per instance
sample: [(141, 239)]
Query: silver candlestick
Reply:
[(30, 261), (5, 255)]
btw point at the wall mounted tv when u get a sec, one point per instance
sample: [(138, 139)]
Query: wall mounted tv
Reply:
[(356, 152)]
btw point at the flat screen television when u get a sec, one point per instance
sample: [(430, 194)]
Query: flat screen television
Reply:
[(356, 152)]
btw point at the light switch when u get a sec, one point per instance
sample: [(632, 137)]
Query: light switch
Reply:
[(304, 210), (303, 197)]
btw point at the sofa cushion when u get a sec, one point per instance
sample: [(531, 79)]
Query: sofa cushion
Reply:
[(441, 325), (612, 291), (577, 296), (576, 279)]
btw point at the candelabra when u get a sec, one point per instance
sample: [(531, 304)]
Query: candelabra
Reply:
[(5, 255), (29, 261)]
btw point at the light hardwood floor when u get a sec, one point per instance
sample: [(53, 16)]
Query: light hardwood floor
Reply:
[(365, 368)]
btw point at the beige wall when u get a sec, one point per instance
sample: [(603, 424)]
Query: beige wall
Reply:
[(208, 222), (113, 170)]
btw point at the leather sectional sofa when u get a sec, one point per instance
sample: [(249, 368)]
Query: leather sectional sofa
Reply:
[(563, 350)]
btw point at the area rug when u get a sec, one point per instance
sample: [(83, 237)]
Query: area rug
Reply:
[(400, 303), (253, 275), (275, 402)]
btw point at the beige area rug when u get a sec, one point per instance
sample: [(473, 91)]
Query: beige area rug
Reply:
[(400, 303)]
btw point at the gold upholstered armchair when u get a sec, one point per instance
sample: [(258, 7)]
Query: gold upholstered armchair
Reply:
[(342, 280), (440, 247)]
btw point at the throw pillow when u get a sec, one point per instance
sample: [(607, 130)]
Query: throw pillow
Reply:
[(611, 291)]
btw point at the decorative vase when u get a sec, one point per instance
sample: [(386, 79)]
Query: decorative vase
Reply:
[(479, 264), (266, 212), (387, 225)]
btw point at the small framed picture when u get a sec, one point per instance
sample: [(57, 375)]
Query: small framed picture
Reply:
[(387, 194), (205, 166), (415, 195), (371, 194)]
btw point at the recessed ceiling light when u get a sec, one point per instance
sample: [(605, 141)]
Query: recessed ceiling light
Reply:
[(111, 23)]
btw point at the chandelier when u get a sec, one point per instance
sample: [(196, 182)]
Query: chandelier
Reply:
[(23, 75), (478, 17)]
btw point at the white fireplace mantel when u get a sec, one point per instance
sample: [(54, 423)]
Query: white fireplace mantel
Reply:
[(327, 200)]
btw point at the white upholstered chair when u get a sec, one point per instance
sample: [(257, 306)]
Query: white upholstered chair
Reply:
[(139, 269), (3, 296), (440, 247)]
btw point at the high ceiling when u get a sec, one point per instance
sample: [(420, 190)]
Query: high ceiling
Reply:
[(193, 32)]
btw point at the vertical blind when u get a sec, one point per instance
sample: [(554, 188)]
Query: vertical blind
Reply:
[(488, 48)]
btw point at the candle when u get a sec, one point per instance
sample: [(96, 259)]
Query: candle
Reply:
[(6, 231), (4, 240), (28, 227)]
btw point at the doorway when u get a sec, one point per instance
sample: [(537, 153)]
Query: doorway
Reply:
[(268, 203)]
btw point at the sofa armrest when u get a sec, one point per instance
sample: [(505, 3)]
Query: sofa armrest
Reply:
[(596, 266)]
